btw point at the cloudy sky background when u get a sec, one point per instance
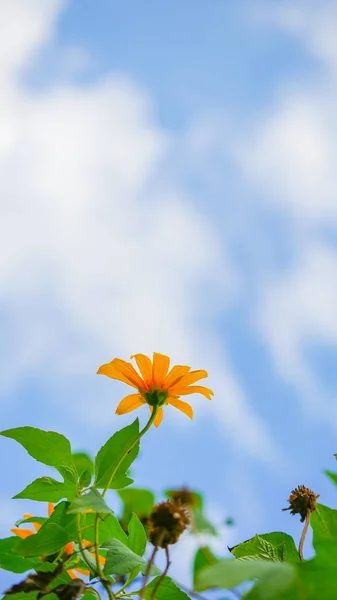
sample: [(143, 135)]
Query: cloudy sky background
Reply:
[(168, 182)]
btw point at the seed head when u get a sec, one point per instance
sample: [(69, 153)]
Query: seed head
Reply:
[(183, 496), (168, 520), (302, 500)]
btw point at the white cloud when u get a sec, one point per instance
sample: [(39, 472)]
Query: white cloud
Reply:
[(297, 309), (289, 155), (101, 253), (313, 22)]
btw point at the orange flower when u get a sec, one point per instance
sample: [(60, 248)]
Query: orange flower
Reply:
[(155, 385), (24, 533)]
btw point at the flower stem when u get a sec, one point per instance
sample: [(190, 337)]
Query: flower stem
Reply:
[(163, 575), (99, 573), (304, 533), (132, 445), (148, 569)]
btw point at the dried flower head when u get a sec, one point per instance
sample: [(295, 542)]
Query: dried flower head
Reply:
[(168, 521), (302, 500), (183, 496)]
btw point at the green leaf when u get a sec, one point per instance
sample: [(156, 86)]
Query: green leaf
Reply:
[(204, 557), (274, 577), (84, 467), (114, 458), (167, 590), (85, 478), (61, 517), (90, 559), (10, 560), (47, 447), (47, 489), (324, 525), (83, 462), (276, 546), (20, 596), (201, 524), (332, 476), (39, 520), (123, 481), (91, 594), (109, 527), (92, 502), (48, 540), (137, 536), (138, 501), (120, 560)]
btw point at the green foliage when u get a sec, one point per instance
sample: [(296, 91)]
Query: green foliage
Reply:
[(48, 540), (204, 558), (201, 524), (114, 458), (274, 546), (274, 577), (10, 560), (39, 520), (136, 501), (84, 467), (167, 590), (47, 489), (137, 536), (84, 533), (91, 502), (47, 447), (108, 527), (324, 526), (332, 476), (120, 560)]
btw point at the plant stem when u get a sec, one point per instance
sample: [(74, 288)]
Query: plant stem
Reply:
[(304, 533), (147, 572), (132, 445), (163, 575), (99, 573)]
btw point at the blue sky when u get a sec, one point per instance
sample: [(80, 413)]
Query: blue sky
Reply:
[(168, 180)]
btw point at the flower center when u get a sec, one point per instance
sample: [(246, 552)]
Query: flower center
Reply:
[(156, 397)]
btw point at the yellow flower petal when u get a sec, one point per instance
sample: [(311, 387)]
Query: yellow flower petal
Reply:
[(188, 379), (101, 559), (145, 366), (81, 571), (50, 508), (161, 364), (129, 403), (73, 575), (27, 516), (181, 405), (177, 372), (22, 533), (36, 526), (69, 548), (123, 371), (196, 389)]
